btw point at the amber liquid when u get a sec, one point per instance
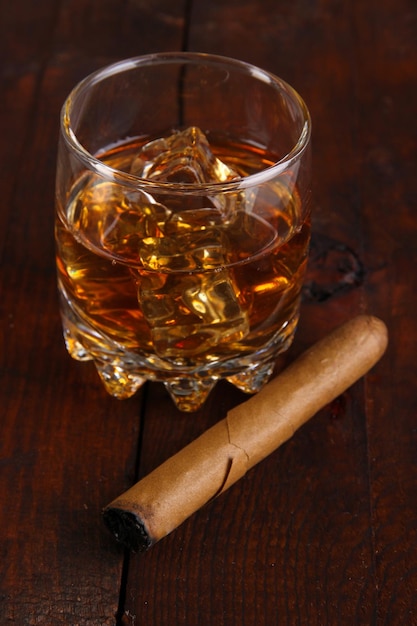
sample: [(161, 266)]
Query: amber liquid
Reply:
[(167, 285)]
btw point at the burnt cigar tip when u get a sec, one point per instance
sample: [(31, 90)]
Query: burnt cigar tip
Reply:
[(127, 529)]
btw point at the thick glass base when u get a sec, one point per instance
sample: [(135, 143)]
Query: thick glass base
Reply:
[(254, 378), (124, 372)]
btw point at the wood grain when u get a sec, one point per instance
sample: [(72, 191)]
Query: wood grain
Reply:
[(65, 447), (389, 160), (323, 532)]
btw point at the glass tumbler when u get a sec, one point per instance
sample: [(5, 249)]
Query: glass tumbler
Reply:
[(182, 222)]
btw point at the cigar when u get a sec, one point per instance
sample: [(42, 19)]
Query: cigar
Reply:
[(209, 465)]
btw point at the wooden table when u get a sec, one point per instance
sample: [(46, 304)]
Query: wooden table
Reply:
[(324, 531)]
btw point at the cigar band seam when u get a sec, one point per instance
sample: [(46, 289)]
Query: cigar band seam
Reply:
[(235, 445), (237, 463)]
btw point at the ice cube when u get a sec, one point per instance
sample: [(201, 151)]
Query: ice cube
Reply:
[(183, 157), (190, 313), (189, 251), (186, 157), (127, 222), (213, 298), (193, 220)]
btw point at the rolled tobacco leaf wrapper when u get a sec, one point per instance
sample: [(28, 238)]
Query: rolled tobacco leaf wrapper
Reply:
[(209, 465)]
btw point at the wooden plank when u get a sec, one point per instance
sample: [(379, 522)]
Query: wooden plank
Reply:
[(388, 139), (296, 531), (65, 446)]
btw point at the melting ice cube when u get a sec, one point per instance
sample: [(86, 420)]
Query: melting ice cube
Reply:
[(130, 219), (184, 157), (190, 313)]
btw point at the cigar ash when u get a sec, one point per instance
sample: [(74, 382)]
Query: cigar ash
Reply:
[(127, 528)]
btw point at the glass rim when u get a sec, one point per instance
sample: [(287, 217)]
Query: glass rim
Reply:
[(118, 176)]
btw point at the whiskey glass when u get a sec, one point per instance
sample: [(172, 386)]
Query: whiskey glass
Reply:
[(182, 222)]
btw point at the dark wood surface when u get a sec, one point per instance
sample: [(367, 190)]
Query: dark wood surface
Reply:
[(323, 532)]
